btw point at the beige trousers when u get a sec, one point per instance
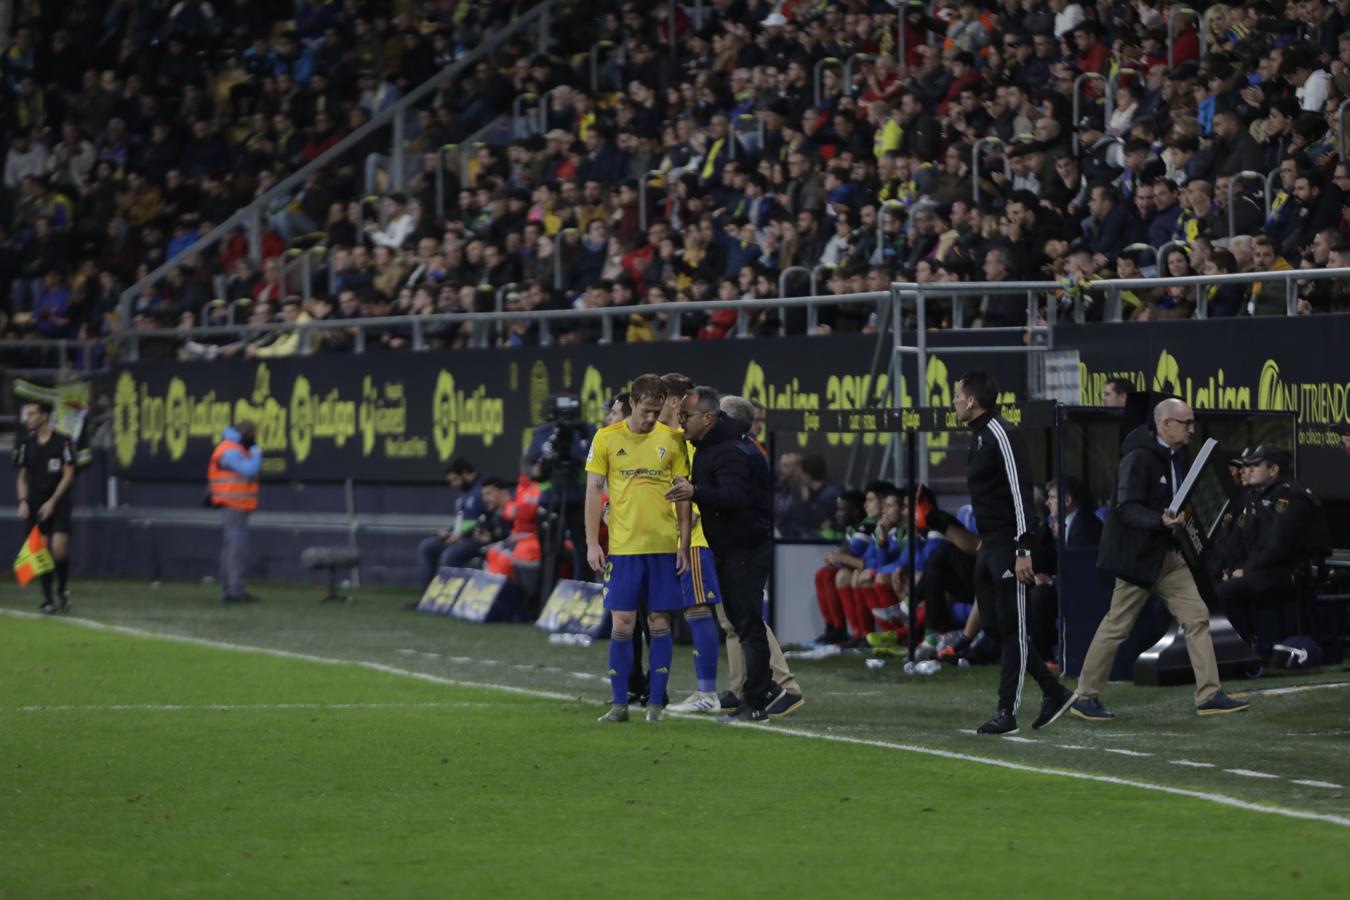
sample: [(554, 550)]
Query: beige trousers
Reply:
[(1176, 587), (778, 666)]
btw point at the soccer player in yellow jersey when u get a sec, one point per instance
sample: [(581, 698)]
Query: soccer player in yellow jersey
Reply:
[(639, 459), (699, 583)]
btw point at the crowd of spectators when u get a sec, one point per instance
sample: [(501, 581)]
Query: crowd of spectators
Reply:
[(763, 137), (130, 128)]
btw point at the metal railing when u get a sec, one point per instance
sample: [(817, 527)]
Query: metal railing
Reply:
[(601, 47), (1270, 189), (251, 217), (1076, 100), (1178, 14), (1113, 85), (1341, 144), (67, 352), (817, 73), (983, 142), (1052, 293)]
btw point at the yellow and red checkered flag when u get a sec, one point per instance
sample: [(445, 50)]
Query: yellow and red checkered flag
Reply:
[(34, 559)]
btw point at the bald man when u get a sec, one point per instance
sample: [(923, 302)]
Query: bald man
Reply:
[(1139, 548)]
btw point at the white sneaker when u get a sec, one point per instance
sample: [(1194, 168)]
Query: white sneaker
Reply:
[(896, 613), (698, 702)]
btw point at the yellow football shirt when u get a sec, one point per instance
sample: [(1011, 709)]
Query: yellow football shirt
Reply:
[(640, 469), (697, 538)]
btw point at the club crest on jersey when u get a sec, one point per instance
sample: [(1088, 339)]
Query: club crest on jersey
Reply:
[(660, 452), (622, 452)]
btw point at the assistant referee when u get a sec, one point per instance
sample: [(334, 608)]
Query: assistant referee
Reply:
[(46, 463), (999, 479)]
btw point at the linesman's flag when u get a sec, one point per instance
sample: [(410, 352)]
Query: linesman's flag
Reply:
[(34, 559)]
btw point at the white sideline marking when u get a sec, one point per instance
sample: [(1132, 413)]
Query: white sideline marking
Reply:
[(1250, 773), (1191, 764), (1308, 782), (471, 660), (1274, 692), (216, 707), (1220, 799), (1019, 740), (290, 654), (1125, 752), (1071, 746)]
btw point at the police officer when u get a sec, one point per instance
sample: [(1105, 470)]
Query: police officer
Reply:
[(232, 478), (1226, 546), (46, 463), (1283, 529), (998, 476)]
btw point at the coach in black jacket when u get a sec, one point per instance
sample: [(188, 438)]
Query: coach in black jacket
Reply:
[(999, 478), (733, 489), (1138, 548)]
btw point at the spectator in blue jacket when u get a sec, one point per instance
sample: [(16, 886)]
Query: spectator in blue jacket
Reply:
[(1166, 199)]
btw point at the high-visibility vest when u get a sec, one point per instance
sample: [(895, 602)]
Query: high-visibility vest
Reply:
[(229, 488)]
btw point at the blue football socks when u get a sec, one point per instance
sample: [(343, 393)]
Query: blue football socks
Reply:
[(662, 655), (621, 665), (705, 651)]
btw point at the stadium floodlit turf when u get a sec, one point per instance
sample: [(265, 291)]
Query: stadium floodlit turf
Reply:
[(136, 766)]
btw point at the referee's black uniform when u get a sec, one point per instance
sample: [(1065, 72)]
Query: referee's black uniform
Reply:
[(43, 464), (999, 479)]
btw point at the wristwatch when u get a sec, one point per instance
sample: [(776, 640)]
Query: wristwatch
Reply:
[(1023, 552)]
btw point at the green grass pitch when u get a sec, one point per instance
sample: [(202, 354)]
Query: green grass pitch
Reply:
[(137, 766)]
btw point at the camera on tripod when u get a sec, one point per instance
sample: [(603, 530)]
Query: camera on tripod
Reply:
[(563, 426)]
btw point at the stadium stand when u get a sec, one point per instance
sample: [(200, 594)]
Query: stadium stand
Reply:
[(753, 151)]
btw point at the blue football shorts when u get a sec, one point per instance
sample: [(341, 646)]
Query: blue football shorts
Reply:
[(632, 580), (699, 584)]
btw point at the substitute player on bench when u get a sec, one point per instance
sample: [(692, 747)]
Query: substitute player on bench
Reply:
[(649, 537)]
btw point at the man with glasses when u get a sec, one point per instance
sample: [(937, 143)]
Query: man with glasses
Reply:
[(1140, 549), (733, 489)]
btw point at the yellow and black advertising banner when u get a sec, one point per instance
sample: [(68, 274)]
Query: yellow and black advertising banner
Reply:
[(398, 417), (1299, 365)]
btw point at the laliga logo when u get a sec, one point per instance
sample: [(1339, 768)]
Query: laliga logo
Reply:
[(1167, 376), (939, 385), (443, 415), (126, 419), (370, 399), (178, 419), (302, 418), (1269, 391), (593, 395)]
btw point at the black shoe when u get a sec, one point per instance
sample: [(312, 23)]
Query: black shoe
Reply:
[(1219, 704), (784, 704), (825, 637), (1090, 709), (1002, 723), (48, 608), (730, 702), (1052, 707), (63, 602), (747, 713)]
